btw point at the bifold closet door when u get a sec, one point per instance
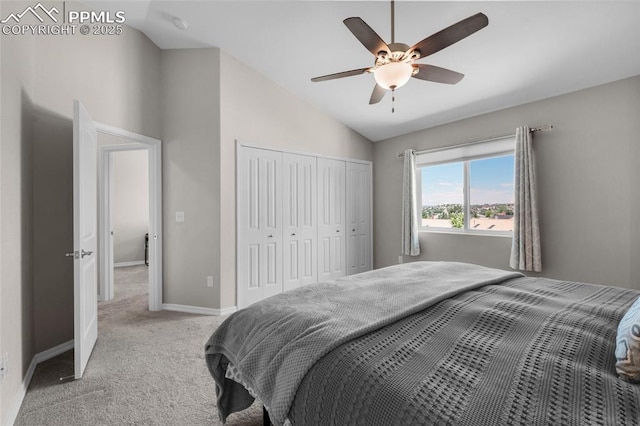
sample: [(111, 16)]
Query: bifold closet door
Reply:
[(331, 219), (358, 217), (259, 224), (299, 213)]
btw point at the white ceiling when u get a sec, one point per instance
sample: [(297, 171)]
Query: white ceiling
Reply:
[(530, 50)]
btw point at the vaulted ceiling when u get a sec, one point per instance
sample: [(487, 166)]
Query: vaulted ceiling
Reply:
[(530, 50)]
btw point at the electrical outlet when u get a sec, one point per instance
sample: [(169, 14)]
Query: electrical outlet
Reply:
[(3, 365), (179, 216), (400, 259), (209, 281)]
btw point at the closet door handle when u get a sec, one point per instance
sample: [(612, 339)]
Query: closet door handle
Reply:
[(269, 236), (293, 234)]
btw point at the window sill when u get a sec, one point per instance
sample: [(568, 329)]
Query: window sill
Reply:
[(503, 234)]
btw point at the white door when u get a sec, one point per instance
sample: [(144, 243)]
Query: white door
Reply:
[(84, 237), (358, 218), (259, 224), (248, 226), (331, 219), (299, 220), (271, 222)]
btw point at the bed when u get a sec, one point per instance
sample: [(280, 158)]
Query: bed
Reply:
[(429, 343)]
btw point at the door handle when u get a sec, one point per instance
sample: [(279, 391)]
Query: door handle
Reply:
[(293, 234), (85, 253), (73, 254), (269, 236)]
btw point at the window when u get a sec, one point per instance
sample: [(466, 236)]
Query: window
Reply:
[(468, 189)]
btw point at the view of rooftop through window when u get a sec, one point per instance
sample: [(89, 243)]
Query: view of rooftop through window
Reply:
[(491, 199)]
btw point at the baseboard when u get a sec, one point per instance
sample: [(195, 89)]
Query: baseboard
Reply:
[(198, 310), (22, 391), (123, 264), (53, 352)]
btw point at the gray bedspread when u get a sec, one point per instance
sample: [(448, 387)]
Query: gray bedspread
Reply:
[(474, 346), (275, 342)]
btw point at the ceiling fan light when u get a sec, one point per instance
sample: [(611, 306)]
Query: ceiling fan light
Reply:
[(393, 75)]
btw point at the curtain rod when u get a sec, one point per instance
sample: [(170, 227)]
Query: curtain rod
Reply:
[(545, 128)]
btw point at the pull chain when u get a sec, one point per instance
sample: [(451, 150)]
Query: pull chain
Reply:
[(393, 100)]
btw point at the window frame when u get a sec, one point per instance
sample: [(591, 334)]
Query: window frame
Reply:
[(490, 149)]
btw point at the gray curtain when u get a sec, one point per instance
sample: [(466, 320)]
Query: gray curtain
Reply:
[(410, 243), (525, 246)]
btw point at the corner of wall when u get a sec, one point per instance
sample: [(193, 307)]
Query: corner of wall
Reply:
[(190, 98)]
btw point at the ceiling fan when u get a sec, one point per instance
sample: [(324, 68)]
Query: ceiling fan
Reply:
[(394, 64)]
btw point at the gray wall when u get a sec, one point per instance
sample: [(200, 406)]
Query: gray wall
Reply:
[(256, 110), (587, 185), (130, 205), (210, 100), (191, 140), (16, 192), (117, 79)]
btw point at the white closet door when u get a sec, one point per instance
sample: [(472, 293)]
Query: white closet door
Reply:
[(271, 179), (331, 219), (299, 214), (358, 217), (259, 225)]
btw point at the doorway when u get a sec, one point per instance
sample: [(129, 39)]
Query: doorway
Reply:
[(127, 141), (130, 219)]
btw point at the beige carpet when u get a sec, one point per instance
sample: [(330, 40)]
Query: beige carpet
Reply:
[(147, 368)]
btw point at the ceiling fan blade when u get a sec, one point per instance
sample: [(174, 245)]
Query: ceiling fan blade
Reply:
[(369, 38), (437, 74), (340, 75), (377, 94), (451, 35)]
